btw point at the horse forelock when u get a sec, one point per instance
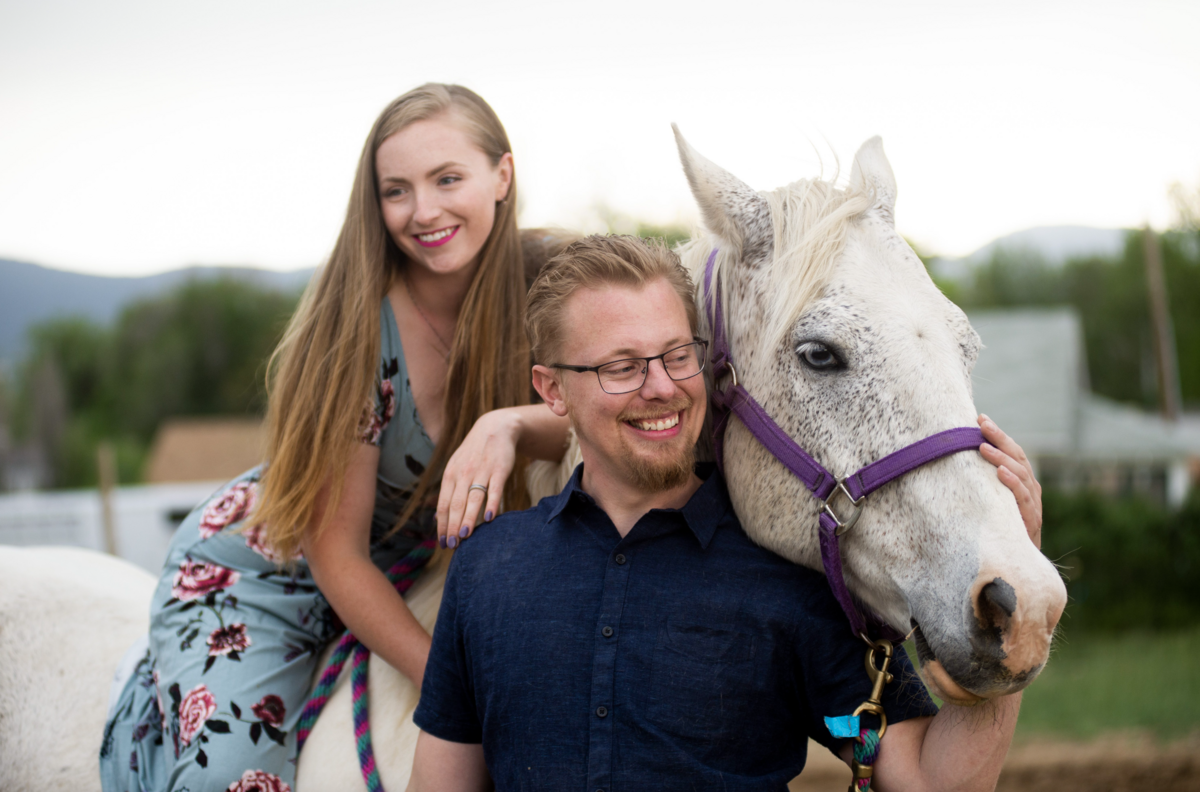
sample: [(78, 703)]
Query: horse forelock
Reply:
[(809, 220)]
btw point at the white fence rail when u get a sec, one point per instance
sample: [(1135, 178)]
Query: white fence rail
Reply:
[(144, 517)]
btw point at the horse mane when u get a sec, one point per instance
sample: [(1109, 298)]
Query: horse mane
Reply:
[(810, 219)]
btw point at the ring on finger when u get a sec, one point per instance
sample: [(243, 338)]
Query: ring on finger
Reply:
[(481, 487)]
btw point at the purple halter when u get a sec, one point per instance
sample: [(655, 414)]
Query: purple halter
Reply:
[(819, 481)]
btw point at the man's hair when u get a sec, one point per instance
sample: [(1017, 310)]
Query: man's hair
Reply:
[(591, 263)]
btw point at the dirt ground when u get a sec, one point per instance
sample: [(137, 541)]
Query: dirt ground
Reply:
[(1113, 763)]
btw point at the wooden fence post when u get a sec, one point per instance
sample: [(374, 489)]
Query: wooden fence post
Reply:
[(106, 462)]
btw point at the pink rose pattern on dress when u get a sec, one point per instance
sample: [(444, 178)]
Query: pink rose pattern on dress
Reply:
[(270, 710), (196, 580), (259, 781), (232, 506), (377, 420), (215, 623), (197, 707), (232, 638), (256, 540)]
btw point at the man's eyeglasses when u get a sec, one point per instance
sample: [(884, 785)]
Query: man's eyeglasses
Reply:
[(629, 374)]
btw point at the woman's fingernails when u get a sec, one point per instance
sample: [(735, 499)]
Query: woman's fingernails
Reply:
[(465, 531), (441, 541), (487, 517), (451, 542)]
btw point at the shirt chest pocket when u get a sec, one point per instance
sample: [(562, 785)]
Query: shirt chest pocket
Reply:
[(708, 646), (706, 682)]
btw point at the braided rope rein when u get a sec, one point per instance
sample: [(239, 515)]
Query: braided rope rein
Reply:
[(402, 575), (866, 751)]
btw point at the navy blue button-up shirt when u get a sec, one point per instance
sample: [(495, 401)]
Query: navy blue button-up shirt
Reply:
[(682, 656)]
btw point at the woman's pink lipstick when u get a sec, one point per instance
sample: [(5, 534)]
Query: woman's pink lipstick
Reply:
[(437, 242)]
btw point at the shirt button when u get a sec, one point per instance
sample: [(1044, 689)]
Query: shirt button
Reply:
[(607, 632), (602, 711), (620, 559)]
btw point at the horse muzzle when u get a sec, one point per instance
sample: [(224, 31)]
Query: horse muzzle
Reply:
[(999, 646)]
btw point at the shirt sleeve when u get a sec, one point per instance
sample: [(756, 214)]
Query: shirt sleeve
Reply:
[(447, 707), (833, 677)]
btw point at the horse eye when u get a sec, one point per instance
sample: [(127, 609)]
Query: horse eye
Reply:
[(816, 355)]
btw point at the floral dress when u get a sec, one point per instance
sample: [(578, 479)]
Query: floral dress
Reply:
[(235, 637)]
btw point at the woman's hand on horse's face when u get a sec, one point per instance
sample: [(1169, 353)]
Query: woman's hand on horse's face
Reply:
[(1016, 473), (486, 457)]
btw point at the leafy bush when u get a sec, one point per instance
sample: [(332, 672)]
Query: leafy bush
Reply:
[(198, 350), (1129, 564)]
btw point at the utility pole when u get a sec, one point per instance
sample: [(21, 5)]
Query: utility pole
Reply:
[(1169, 397)]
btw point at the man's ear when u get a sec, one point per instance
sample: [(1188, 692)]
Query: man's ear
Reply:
[(546, 383)]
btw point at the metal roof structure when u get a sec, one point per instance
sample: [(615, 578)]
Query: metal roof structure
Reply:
[(205, 449), (1032, 380)]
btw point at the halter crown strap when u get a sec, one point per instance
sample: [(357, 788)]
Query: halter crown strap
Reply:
[(819, 481)]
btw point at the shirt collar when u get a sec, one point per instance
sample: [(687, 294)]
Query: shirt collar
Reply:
[(703, 512)]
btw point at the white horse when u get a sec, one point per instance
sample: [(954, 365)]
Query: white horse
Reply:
[(841, 336)]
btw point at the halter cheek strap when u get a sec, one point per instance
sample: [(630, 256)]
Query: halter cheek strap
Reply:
[(820, 482)]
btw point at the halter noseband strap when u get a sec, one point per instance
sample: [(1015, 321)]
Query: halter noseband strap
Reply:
[(820, 482)]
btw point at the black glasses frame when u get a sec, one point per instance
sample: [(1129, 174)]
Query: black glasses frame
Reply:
[(646, 361)]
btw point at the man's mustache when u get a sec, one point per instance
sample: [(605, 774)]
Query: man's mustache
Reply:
[(678, 404)]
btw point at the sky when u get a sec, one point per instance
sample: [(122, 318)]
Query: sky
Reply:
[(138, 137)]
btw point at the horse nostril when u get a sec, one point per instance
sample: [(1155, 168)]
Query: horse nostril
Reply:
[(997, 603)]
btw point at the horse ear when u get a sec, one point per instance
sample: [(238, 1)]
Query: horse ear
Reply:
[(873, 173), (731, 210)]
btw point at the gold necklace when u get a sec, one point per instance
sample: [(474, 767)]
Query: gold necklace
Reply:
[(428, 323)]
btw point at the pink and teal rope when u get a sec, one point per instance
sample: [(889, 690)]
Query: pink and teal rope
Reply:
[(402, 575), (866, 751)]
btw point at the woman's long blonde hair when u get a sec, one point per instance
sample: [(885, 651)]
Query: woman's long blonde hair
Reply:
[(323, 374)]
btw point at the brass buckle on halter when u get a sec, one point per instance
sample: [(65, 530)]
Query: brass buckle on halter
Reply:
[(856, 505)]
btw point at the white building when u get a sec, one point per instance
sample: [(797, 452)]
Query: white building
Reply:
[(1032, 379)]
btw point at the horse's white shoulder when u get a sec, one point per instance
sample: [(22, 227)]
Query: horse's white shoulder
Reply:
[(77, 612), (329, 760), (548, 478)]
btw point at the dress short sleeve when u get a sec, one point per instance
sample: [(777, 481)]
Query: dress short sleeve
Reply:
[(379, 412)]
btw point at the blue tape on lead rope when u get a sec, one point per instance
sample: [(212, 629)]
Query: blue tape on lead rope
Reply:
[(845, 726)]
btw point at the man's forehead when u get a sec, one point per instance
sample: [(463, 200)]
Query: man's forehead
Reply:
[(617, 320)]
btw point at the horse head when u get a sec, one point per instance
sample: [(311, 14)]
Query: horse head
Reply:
[(839, 333)]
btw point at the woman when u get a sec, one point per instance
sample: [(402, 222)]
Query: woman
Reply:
[(408, 345)]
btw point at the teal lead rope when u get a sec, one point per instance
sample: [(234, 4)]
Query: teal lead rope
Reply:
[(402, 575), (866, 741), (866, 751)]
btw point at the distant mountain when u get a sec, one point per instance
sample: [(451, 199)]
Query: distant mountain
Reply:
[(30, 293), (1054, 244)]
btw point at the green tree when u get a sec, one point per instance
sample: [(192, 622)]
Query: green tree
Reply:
[(673, 235), (199, 350)]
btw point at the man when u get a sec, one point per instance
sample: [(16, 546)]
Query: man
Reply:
[(626, 634)]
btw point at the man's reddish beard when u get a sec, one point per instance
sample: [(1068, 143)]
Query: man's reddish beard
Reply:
[(658, 475)]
